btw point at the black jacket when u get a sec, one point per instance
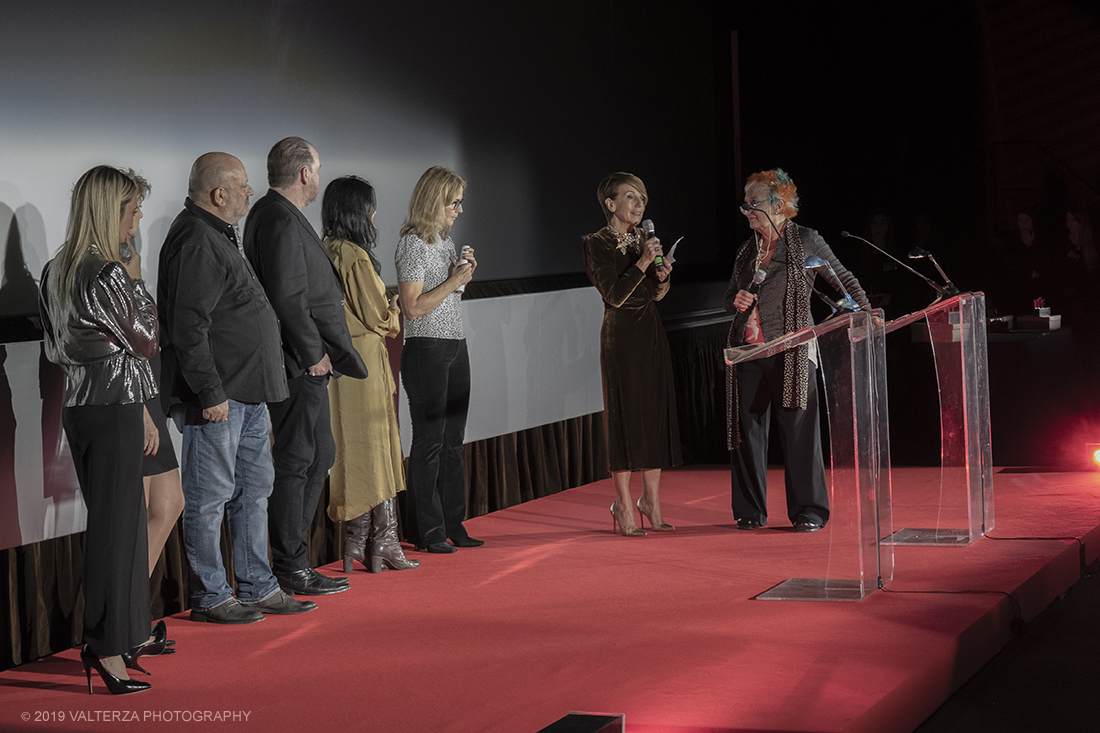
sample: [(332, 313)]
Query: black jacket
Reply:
[(303, 286), (219, 333)]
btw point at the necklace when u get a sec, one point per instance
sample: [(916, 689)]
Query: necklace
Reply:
[(764, 252), (625, 239)]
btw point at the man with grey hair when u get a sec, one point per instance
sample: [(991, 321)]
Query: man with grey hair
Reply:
[(306, 292), (221, 365)]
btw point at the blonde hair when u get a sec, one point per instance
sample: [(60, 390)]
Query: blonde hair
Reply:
[(95, 211), (609, 189), (778, 189), (436, 189)]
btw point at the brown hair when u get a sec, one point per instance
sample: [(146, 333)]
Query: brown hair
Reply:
[(285, 159), (609, 189)]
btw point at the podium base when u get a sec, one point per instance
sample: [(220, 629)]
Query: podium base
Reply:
[(588, 723), (924, 537), (816, 589)]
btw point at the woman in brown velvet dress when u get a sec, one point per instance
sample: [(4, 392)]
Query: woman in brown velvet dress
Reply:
[(639, 397)]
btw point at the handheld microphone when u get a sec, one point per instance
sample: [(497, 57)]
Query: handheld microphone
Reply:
[(742, 318), (462, 261), (650, 231), (754, 286)]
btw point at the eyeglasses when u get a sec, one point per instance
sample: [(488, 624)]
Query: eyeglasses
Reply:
[(455, 205), (752, 205)]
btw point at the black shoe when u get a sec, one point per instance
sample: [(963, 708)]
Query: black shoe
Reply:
[(441, 548), (280, 604), (160, 633), (309, 582), (115, 685), (746, 523), (802, 523), (467, 541), (151, 648), (230, 612)]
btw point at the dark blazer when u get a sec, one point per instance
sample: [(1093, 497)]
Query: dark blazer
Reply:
[(219, 334), (302, 285)]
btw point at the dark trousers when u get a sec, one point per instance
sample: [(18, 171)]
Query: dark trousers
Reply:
[(760, 384), (107, 443), (436, 375), (303, 453)]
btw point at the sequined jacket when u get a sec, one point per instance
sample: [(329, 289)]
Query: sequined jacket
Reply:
[(104, 339)]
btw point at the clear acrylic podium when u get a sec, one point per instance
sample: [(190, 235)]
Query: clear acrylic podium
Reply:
[(956, 331), (851, 359)]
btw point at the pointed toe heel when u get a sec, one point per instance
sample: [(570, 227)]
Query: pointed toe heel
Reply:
[(115, 685), (617, 526), (659, 526)]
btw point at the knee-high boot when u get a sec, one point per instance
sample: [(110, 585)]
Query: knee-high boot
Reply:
[(385, 549), (355, 541)]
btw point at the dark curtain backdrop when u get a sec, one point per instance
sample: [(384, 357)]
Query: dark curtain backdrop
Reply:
[(42, 613)]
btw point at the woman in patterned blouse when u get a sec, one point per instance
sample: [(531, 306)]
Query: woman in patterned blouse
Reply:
[(435, 366)]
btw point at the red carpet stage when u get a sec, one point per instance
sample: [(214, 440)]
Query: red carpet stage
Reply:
[(557, 614)]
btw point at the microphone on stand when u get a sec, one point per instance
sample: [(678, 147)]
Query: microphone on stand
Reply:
[(950, 290), (650, 231), (843, 304), (931, 283)]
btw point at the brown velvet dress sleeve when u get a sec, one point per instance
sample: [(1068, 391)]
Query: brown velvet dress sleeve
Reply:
[(599, 263)]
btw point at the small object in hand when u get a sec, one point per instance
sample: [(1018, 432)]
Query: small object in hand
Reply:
[(463, 261)]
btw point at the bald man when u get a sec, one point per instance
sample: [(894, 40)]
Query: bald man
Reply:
[(222, 363)]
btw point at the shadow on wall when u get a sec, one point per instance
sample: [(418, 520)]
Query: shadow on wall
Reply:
[(47, 480)]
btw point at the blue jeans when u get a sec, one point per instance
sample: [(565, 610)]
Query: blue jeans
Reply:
[(226, 470), (436, 375)]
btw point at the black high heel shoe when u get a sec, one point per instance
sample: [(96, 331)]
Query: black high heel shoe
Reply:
[(160, 633), (154, 647), (115, 685)]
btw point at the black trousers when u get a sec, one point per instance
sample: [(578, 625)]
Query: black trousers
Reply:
[(436, 375), (303, 453), (107, 443), (760, 384)]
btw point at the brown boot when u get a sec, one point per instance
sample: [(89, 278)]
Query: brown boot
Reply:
[(385, 550), (355, 541)]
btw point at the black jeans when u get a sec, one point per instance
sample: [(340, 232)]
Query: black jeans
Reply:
[(304, 451), (436, 375)]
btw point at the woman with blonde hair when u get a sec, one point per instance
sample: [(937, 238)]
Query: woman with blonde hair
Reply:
[(100, 327), (639, 395), (368, 471), (435, 366)]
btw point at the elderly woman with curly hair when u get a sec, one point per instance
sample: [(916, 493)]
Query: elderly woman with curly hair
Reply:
[(784, 385)]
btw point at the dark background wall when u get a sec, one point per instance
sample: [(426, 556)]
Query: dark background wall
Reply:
[(904, 108)]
